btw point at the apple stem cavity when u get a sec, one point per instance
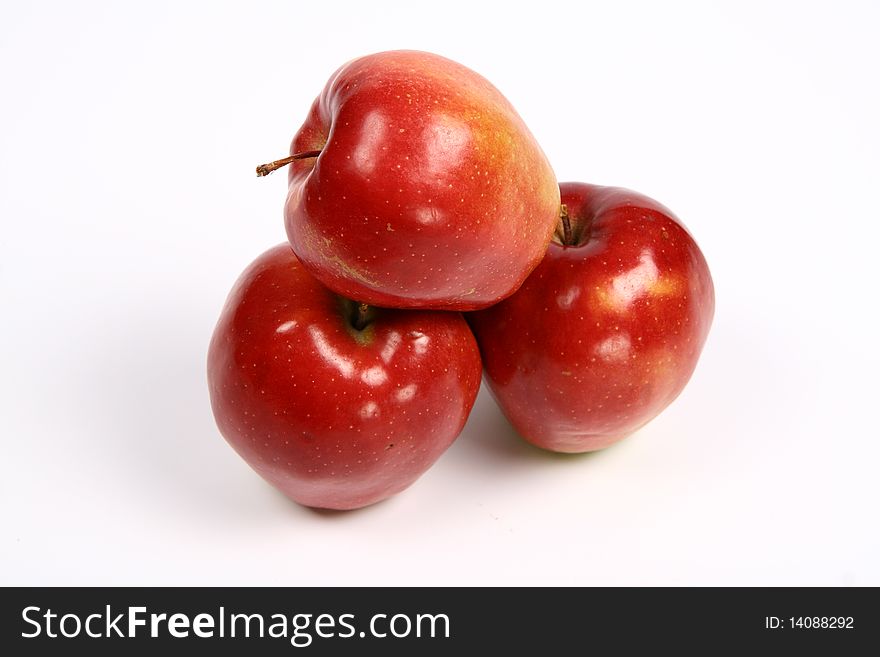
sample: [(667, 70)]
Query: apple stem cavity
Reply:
[(269, 167), (361, 317), (565, 221), (572, 235)]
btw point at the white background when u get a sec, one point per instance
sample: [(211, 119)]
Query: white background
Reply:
[(129, 205)]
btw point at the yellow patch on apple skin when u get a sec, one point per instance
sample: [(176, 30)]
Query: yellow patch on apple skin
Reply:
[(352, 272), (618, 297), (601, 299), (660, 375), (324, 246), (663, 362), (666, 286)]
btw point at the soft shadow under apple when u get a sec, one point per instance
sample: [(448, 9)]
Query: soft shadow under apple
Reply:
[(164, 441), (491, 441)]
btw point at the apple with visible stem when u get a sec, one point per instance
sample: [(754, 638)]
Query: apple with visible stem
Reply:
[(335, 403), (606, 332), (413, 183)]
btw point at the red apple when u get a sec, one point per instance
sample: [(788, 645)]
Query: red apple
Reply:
[(335, 404), (607, 330), (421, 187)]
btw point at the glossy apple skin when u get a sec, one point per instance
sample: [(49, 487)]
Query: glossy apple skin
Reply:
[(605, 333), (429, 192), (333, 417)]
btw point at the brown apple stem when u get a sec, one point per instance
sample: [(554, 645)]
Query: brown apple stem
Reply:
[(269, 167), (361, 317), (566, 225)]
